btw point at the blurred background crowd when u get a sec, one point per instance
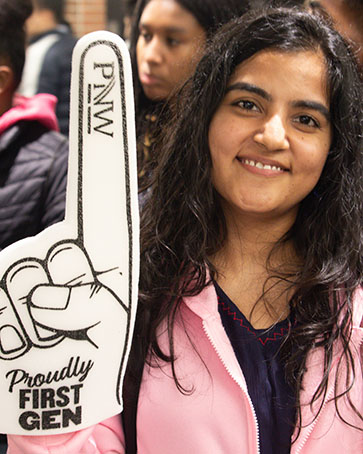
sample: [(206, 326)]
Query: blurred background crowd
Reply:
[(54, 26)]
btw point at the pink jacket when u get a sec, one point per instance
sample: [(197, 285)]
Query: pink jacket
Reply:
[(39, 107), (199, 422)]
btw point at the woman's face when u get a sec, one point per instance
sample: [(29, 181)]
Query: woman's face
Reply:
[(270, 136), (168, 48)]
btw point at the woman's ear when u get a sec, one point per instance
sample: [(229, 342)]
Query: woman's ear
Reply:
[(6, 78)]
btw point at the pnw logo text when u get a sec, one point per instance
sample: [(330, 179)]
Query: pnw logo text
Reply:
[(100, 103)]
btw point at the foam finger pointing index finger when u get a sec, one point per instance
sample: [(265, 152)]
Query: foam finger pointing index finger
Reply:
[(102, 191)]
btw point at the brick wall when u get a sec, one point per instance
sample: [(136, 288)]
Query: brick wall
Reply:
[(86, 15)]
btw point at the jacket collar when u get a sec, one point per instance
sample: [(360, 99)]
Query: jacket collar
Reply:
[(39, 108), (204, 305)]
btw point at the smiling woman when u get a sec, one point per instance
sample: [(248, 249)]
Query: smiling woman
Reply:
[(249, 326), (252, 240)]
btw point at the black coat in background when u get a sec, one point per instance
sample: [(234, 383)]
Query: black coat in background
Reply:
[(55, 76), (33, 174)]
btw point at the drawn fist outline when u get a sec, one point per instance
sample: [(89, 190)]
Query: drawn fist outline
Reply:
[(49, 304)]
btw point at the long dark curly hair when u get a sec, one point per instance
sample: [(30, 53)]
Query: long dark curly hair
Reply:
[(183, 223)]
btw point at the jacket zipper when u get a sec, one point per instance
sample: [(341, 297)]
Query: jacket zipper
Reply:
[(238, 383), (307, 435), (313, 424)]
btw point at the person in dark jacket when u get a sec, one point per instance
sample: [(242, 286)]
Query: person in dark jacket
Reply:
[(49, 56), (33, 155)]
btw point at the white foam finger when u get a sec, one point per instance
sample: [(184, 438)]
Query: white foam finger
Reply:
[(70, 309), (68, 265), (22, 278), (13, 342), (103, 137)]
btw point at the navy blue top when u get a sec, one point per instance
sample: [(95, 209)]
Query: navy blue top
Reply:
[(257, 351)]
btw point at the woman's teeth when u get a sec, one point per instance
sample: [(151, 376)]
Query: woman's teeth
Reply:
[(259, 165)]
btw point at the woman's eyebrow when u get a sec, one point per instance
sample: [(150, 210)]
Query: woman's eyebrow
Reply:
[(307, 104), (249, 87), (165, 29)]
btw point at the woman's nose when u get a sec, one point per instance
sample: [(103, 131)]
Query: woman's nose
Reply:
[(153, 51), (273, 134)]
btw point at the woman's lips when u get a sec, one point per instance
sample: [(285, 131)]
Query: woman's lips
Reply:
[(149, 79), (262, 167)]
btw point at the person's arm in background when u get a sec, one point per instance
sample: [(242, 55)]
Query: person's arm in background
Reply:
[(54, 190), (55, 77)]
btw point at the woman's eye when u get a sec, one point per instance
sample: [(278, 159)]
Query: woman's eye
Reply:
[(307, 120), (146, 36), (172, 42), (247, 105)]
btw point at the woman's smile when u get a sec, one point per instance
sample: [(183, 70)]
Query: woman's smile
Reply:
[(262, 166)]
